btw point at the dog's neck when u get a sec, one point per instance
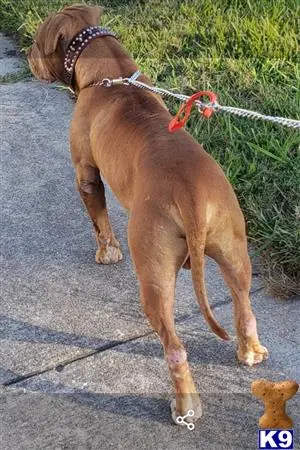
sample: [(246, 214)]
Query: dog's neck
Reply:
[(77, 45), (103, 58)]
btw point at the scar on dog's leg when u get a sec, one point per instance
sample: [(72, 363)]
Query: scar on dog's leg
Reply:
[(231, 253), (91, 190), (157, 267), (158, 301)]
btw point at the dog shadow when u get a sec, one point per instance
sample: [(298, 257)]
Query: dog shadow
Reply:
[(202, 347)]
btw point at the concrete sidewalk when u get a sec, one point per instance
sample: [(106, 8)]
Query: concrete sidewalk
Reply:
[(80, 367)]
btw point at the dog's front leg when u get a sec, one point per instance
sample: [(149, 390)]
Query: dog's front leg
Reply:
[(92, 192)]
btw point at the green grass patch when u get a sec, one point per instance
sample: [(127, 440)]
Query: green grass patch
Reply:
[(17, 76), (245, 51)]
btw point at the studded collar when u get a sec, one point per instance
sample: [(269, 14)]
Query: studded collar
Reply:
[(77, 45)]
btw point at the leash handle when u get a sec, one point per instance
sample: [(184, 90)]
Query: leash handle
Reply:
[(206, 111)]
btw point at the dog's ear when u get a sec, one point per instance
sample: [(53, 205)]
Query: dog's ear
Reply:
[(94, 12), (59, 26), (55, 31), (91, 14)]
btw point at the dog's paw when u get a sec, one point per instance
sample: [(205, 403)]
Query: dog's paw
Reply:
[(252, 355), (108, 254), (190, 409)]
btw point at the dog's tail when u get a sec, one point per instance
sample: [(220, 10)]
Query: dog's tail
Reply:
[(196, 236)]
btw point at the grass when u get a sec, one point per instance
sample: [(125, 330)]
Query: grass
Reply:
[(245, 51), (15, 77)]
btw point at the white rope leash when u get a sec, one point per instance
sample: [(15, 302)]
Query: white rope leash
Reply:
[(216, 106)]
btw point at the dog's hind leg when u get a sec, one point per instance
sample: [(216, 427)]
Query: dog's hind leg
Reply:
[(157, 255), (91, 190), (229, 249)]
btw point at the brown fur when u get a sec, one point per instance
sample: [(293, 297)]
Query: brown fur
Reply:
[(180, 204)]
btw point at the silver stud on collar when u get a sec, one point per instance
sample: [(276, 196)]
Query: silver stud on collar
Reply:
[(78, 44)]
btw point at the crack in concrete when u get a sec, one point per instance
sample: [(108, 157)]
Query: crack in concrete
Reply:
[(60, 366)]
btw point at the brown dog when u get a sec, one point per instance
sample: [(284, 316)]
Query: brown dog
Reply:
[(180, 204)]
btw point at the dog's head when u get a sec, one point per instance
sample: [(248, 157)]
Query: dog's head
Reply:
[(46, 56)]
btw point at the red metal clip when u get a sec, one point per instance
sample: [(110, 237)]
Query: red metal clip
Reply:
[(186, 107)]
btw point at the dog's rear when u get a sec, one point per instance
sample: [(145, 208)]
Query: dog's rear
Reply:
[(185, 207)]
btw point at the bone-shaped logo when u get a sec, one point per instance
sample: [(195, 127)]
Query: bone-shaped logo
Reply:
[(180, 420)]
